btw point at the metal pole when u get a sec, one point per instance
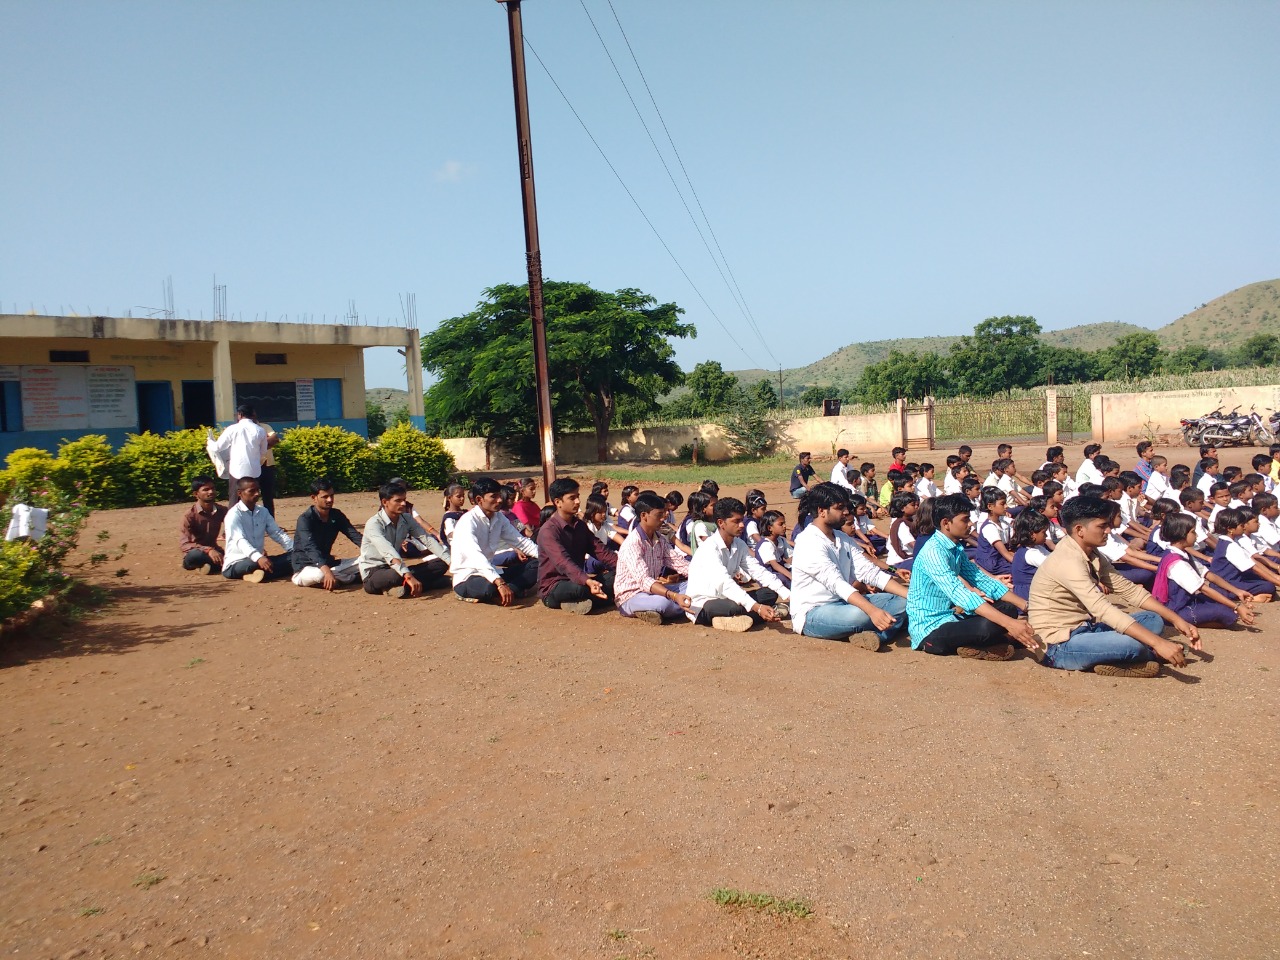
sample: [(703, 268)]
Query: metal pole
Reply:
[(533, 253)]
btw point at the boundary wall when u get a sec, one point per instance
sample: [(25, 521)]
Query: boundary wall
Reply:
[(1128, 416)]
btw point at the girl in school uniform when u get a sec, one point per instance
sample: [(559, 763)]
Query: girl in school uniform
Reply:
[(752, 527), (773, 551), (704, 525), (455, 505), (1156, 544), (1235, 559), (872, 542), (994, 534), (1188, 587), (903, 508), (596, 514), (526, 508), (627, 512), (1030, 532)]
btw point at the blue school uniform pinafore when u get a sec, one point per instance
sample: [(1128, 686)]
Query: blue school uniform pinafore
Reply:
[(988, 557)]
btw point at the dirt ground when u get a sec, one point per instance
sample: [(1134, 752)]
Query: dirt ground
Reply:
[(219, 769)]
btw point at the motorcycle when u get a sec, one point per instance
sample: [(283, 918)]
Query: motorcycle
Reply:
[(1220, 429)]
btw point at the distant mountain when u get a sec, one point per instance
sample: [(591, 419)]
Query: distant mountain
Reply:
[(1229, 320), (388, 398)]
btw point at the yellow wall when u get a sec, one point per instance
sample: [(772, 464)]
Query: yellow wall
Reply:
[(176, 361)]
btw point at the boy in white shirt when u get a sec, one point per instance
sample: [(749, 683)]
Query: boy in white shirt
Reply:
[(481, 534), (719, 569), (840, 471), (1157, 485), (926, 489), (1088, 472)]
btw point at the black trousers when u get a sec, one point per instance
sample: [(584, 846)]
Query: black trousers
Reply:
[(281, 568), (432, 575), (730, 608), (971, 631), (267, 484), (520, 576), (197, 558), (566, 591)]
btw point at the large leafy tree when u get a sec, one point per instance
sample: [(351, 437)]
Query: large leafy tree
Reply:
[(1003, 353), (913, 375), (1132, 356), (603, 349)]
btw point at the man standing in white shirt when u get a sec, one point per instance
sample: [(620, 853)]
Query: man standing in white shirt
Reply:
[(481, 534), (840, 472), (824, 601), (244, 444), (719, 569), (246, 528)]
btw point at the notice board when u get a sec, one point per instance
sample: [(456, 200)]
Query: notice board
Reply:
[(78, 397)]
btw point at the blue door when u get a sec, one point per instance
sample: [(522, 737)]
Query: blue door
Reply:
[(155, 406), (328, 399)]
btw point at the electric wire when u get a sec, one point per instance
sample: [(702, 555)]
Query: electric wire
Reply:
[(665, 166), (674, 259), (680, 160)]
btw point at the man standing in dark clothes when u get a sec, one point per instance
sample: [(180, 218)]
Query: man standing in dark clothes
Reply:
[(200, 528), (564, 544), (318, 528)]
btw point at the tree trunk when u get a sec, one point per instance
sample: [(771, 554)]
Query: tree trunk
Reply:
[(602, 417)]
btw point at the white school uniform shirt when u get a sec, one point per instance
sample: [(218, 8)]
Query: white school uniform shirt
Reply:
[(839, 475), (1036, 555), (770, 551), (1236, 504), (1268, 530), (1202, 528), (244, 444), (950, 484), (992, 479), (712, 569), (246, 532), (1128, 509), (908, 540), (823, 571), (1069, 489), (1115, 547), (477, 539), (1255, 539), (1157, 486), (926, 489), (1186, 572), (1159, 540), (1001, 530), (1205, 483), (1007, 484), (1088, 473), (1240, 555), (1213, 514), (1055, 532)]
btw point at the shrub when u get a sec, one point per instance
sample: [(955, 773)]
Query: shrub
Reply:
[(29, 571), (26, 469), (90, 466), (748, 430), (19, 572), (422, 461), (305, 454), (159, 468)]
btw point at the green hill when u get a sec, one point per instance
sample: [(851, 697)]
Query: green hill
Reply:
[(1229, 320)]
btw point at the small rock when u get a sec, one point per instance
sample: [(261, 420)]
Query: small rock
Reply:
[(612, 906), (174, 941), (139, 945), (202, 941), (72, 954), (42, 847), (23, 801)]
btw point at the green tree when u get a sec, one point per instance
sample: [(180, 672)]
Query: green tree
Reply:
[(1132, 356), (763, 396), (1260, 350), (1193, 358), (813, 396), (376, 418), (912, 375), (1003, 353), (1066, 365), (713, 389), (602, 347)]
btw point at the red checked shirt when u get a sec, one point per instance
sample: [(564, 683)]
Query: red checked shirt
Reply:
[(641, 561)]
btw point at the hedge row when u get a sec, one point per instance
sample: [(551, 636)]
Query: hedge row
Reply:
[(152, 469)]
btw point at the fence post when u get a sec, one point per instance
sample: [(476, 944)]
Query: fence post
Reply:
[(1051, 416), (902, 422)]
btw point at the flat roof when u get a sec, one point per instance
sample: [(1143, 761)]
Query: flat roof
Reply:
[(32, 326)]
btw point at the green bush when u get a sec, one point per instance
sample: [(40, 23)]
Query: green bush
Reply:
[(19, 577), (421, 461), (159, 468), (29, 571), (90, 466), (305, 454), (27, 468)]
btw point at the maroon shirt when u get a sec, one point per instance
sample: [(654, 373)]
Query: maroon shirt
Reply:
[(200, 530), (563, 549)]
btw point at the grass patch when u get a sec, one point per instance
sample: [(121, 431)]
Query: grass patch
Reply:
[(148, 880), (105, 838), (616, 934), (194, 662), (766, 902), (90, 911)]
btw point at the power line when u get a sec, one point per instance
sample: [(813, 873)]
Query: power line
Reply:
[(741, 297), (670, 176), (623, 183)]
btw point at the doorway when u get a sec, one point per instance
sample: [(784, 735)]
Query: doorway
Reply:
[(155, 406), (197, 404)]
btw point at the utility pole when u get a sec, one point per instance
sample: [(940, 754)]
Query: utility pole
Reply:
[(533, 252)]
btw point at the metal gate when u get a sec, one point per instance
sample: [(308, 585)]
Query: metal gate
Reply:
[(1008, 419)]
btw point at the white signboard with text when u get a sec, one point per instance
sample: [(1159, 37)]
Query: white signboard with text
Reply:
[(78, 397), (113, 398), (306, 398)]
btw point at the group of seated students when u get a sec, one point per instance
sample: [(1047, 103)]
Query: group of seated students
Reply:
[(1082, 570)]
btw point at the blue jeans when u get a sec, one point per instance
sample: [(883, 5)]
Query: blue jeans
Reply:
[(1095, 643), (839, 620)]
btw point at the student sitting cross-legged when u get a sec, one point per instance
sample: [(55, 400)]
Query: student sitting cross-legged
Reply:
[(1072, 611), (383, 566), (642, 588), (248, 525), (1188, 587), (317, 529), (200, 528), (481, 534), (717, 574), (944, 580), (564, 546), (826, 601)]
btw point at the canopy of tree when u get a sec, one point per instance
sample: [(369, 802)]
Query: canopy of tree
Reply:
[(610, 355)]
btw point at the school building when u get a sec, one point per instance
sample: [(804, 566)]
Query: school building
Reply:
[(64, 377)]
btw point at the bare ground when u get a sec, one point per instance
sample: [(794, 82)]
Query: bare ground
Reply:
[(220, 769)]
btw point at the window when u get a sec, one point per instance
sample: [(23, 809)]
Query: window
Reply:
[(270, 359), (270, 401), (68, 356)]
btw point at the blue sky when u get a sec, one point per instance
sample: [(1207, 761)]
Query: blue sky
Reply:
[(871, 170)]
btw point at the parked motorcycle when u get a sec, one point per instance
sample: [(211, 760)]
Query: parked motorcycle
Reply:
[(1229, 429)]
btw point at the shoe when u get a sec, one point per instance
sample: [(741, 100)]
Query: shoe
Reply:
[(467, 599), (783, 610), (1000, 651), (1148, 668), (867, 641), (651, 617), (739, 624), (255, 576), (396, 593), (580, 607)]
